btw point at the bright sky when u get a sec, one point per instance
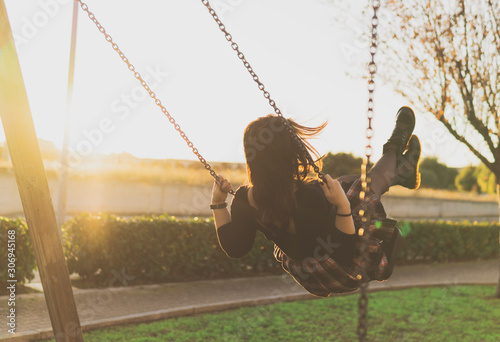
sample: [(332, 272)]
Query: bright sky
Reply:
[(298, 49)]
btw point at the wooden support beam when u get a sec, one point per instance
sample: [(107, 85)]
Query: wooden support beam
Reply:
[(33, 188), (64, 169)]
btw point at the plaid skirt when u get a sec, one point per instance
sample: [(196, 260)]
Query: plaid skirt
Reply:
[(323, 276)]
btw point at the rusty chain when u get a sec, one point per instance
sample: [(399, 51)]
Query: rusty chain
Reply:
[(261, 86), (151, 93), (364, 232)]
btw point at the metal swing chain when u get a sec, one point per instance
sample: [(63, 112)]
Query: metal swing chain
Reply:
[(145, 85), (372, 67), (261, 86), (365, 180)]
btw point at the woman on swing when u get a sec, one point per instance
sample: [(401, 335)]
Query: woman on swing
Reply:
[(314, 223)]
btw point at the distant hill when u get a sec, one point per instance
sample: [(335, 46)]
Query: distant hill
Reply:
[(126, 167), (49, 151)]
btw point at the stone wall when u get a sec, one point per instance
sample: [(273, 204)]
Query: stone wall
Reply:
[(142, 198)]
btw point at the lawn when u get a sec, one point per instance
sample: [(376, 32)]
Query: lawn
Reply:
[(455, 313)]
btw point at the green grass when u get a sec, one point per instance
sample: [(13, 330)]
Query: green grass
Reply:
[(455, 313)]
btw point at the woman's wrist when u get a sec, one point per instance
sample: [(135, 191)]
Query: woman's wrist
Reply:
[(344, 210), (222, 205)]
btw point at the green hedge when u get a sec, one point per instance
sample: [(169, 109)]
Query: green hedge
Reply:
[(156, 249), (448, 241), (25, 264), (108, 250)]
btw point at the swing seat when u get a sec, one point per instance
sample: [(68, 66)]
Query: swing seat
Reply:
[(391, 237), (324, 276)]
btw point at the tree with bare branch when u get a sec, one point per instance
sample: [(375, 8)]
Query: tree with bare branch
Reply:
[(444, 57)]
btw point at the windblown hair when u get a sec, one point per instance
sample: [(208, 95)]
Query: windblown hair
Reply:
[(275, 162)]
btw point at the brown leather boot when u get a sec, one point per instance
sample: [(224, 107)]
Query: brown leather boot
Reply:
[(405, 123), (407, 173)]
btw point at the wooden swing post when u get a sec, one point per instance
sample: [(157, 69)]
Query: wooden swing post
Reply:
[(33, 187)]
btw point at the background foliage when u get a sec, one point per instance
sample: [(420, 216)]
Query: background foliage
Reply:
[(435, 175), (106, 250), (25, 258)]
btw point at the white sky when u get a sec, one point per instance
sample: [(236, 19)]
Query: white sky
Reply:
[(298, 49)]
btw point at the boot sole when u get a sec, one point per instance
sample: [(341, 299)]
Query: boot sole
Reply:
[(416, 175), (413, 119)]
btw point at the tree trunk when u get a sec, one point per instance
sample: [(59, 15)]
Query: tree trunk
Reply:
[(498, 198)]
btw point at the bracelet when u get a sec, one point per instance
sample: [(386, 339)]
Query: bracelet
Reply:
[(218, 206), (344, 215)]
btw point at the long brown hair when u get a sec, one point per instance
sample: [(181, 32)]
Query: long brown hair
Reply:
[(275, 162)]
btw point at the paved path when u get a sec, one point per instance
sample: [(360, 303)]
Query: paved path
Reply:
[(100, 308)]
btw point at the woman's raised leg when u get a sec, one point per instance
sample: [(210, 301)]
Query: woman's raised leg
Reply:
[(395, 166)]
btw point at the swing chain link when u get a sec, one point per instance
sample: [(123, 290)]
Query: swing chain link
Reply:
[(261, 86), (365, 180), (151, 93)]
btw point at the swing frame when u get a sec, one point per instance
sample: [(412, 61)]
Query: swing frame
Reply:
[(33, 186)]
